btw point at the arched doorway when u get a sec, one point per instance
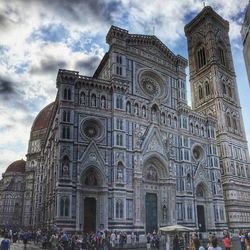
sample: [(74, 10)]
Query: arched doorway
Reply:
[(157, 186), (89, 214), (93, 200), (151, 212), (200, 208)]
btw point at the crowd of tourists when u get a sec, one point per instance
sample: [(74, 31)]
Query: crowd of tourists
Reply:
[(54, 240), (107, 240)]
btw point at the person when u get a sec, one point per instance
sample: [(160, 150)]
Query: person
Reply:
[(176, 245), (227, 242), (214, 243), (197, 244), (25, 239), (242, 241), (132, 238), (247, 241), (5, 243)]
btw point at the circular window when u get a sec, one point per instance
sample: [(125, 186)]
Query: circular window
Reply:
[(152, 84), (91, 128), (198, 152)]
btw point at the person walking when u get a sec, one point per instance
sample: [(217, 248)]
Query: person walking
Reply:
[(5, 243), (247, 241), (214, 243), (227, 242)]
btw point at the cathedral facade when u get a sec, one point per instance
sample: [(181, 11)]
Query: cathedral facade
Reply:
[(122, 150)]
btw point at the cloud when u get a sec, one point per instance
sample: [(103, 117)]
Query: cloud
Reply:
[(48, 65), (6, 88), (88, 65), (39, 37)]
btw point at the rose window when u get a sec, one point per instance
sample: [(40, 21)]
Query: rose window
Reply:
[(150, 86), (198, 152), (91, 128)]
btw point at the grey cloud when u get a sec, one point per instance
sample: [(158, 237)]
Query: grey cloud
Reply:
[(88, 65), (7, 88), (48, 65), (84, 11)]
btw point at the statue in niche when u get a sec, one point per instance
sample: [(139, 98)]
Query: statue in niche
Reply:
[(91, 179), (188, 182), (103, 102), (151, 174), (162, 118), (120, 172), (143, 112), (153, 115), (136, 110), (164, 212), (65, 168)]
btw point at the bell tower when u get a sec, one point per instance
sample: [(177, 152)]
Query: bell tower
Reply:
[(214, 92)]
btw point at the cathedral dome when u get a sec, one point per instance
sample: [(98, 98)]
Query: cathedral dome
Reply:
[(42, 119), (16, 166)]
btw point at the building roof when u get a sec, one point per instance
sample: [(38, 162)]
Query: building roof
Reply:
[(206, 11), (42, 119), (16, 166)]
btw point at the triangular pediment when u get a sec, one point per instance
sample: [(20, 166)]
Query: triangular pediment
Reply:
[(201, 174), (151, 51), (153, 141), (92, 156)]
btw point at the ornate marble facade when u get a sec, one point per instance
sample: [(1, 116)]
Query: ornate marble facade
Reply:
[(122, 150)]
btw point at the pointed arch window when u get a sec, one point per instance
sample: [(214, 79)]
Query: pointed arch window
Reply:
[(235, 123), (66, 115), (119, 209), (163, 120), (82, 98), (119, 103), (224, 90), (222, 56), (207, 88), (192, 127), (93, 100), (128, 107), (119, 139), (144, 113), (228, 120), (229, 91), (64, 206), (67, 94), (201, 57), (66, 132), (200, 93)]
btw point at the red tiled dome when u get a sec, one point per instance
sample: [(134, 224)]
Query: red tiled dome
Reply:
[(16, 166), (42, 119)]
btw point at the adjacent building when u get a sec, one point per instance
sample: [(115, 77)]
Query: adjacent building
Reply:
[(122, 150), (245, 30)]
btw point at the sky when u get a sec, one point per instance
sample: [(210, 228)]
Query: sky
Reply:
[(39, 37)]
